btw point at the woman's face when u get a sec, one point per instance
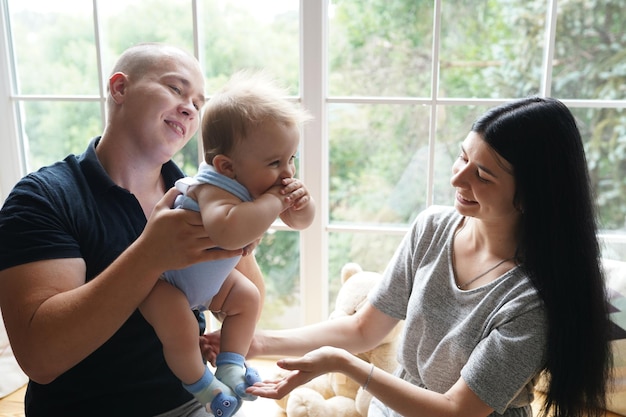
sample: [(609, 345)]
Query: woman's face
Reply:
[(484, 182)]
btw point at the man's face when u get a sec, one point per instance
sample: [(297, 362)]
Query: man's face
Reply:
[(162, 107)]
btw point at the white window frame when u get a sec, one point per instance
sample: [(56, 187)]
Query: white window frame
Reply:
[(314, 162)]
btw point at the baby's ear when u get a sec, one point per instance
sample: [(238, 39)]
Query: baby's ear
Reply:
[(223, 165)]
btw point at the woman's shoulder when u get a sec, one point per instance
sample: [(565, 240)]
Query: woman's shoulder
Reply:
[(435, 223), (440, 211), (438, 216)]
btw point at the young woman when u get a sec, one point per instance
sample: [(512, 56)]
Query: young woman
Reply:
[(493, 291)]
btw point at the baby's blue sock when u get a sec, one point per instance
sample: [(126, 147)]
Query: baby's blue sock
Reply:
[(232, 371), (209, 390)]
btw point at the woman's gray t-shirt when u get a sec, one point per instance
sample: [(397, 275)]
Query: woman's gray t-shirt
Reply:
[(493, 336)]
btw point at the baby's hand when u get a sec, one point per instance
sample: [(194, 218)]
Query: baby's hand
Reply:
[(296, 193), (277, 191)]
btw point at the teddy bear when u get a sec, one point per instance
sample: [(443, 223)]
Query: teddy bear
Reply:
[(335, 394)]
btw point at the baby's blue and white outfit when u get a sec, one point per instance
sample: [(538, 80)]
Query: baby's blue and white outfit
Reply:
[(200, 282)]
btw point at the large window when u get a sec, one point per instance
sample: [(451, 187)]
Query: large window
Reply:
[(393, 85)]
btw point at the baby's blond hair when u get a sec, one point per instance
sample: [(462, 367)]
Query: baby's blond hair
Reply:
[(247, 100)]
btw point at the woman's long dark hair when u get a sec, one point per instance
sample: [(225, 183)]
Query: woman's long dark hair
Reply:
[(558, 246)]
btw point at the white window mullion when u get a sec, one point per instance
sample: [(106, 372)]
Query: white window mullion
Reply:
[(102, 76), (198, 45), (314, 162), (548, 57), (12, 159), (434, 94)]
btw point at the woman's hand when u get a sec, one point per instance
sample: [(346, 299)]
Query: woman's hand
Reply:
[(210, 346), (313, 364)]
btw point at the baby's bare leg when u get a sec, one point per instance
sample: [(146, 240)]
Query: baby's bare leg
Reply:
[(167, 310), (238, 300)]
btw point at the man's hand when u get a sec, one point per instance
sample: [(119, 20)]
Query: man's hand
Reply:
[(175, 238)]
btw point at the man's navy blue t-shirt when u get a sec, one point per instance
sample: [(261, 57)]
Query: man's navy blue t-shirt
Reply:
[(72, 209)]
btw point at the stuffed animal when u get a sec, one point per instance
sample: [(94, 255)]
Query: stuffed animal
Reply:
[(335, 394)]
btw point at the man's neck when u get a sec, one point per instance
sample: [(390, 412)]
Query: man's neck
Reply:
[(128, 168)]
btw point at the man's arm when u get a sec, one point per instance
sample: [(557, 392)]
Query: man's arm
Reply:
[(55, 319)]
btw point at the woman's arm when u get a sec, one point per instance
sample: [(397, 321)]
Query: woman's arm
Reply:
[(357, 333), (402, 396)]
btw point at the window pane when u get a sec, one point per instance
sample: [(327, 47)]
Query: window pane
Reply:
[(453, 125), (382, 49), (378, 162), (590, 52), (491, 48), (187, 158), (251, 34), (56, 129), (613, 246), (54, 47), (372, 251), (278, 256), (604, 134), (126, 23)]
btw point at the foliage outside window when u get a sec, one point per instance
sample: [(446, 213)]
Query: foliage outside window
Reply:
[(387, 158)]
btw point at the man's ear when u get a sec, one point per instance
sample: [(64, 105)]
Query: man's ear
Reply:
[(117, 86), (224, 165)]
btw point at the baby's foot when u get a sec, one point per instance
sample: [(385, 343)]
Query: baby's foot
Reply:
[(252, 377), (224, 405), (214, 394), (232, 371)]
